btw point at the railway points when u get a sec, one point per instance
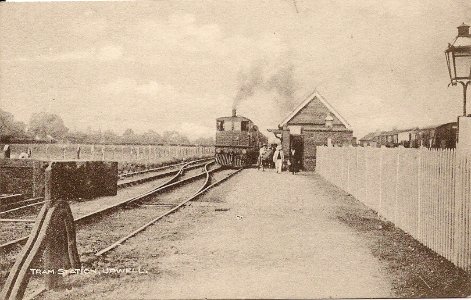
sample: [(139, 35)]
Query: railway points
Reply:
[(228, 244), (84, 211), (194, 176)]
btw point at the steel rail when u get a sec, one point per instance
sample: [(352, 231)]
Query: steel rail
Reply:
[(143, 227), (196, 195), (204, 188), (120, 185), (24, 201), (156, 176), (160, 168), (18, 220), (86, 218), (21, 207)]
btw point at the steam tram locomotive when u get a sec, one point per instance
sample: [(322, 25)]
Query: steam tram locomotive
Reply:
[(238, 141)]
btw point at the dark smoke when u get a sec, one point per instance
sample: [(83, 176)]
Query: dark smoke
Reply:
[(248, 83), (258, 77), (284, 84)]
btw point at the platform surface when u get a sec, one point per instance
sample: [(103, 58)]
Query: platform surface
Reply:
[(260, 235)]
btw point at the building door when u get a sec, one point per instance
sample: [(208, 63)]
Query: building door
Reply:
[(297, 143)]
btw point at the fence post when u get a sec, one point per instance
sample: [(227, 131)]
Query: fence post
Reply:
[(419, 196), (366, 176), (6, 151), (347, 151), (380, 181), (53, 236), (396, 187), (60, 249)]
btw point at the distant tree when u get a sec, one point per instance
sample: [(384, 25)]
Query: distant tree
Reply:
[(151, 137), (174, 137), (110, 137), (129, 137), (76, 137), (207, 141), (45, 124), (9, 128)]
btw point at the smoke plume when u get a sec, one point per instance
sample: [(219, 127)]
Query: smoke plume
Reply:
[(249, 82), (269, 78)]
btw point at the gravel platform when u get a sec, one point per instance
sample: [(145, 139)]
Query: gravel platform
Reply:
[(268, 235)]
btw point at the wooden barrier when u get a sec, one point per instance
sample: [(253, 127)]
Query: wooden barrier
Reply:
[(52, 236), (129, 153), (426, 193)]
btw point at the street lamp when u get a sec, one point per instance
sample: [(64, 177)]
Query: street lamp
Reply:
[(458, 59)]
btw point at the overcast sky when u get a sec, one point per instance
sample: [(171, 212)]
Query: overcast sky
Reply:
[(179, 64)]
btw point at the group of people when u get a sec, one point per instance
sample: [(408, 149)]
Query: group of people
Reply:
[(277, 156)]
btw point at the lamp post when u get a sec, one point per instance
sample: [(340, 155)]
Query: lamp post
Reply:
[(458, 59)]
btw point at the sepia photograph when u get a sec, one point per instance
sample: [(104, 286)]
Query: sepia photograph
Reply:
[(226, 149)]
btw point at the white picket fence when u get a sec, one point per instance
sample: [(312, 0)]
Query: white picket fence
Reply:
[(121, 153), (426, 193)]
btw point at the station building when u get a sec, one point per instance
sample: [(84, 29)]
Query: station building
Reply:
[(314, 122)]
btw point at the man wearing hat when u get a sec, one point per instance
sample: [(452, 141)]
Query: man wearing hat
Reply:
[(261, 155), (278, 158)]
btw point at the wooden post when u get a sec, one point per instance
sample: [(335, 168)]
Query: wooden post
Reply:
[(380, 181), (60, 250), (6, 151), (419, 205), (53, 234), (396, 189)]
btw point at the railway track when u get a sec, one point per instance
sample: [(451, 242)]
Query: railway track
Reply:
[(85, 216), (124, 181), (106, 234), (167, 207)]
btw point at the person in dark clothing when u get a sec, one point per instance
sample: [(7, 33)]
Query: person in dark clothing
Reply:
[(294, 161)]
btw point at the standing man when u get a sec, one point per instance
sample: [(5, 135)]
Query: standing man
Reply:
[(278, 158), (261, 155), (294, 161)]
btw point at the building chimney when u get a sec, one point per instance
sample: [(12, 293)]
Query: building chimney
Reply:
[(234, 112), (463, 30)]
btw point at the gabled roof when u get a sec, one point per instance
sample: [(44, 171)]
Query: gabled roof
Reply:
[(310, 98), (369, 136)]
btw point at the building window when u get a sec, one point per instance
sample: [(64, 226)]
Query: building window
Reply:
[(220, 125)]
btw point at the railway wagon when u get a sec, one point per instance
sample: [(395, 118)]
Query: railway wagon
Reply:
[(238, 141)]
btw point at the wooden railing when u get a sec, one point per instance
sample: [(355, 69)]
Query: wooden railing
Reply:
[(120, 153)]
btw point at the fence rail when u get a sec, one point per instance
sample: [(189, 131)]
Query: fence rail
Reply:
[(120, 153), (426, 193)]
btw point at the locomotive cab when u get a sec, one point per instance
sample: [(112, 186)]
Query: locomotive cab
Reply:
[(237, 141)]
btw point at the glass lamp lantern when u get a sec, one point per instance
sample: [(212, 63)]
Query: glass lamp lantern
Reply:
[(458, 58)]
